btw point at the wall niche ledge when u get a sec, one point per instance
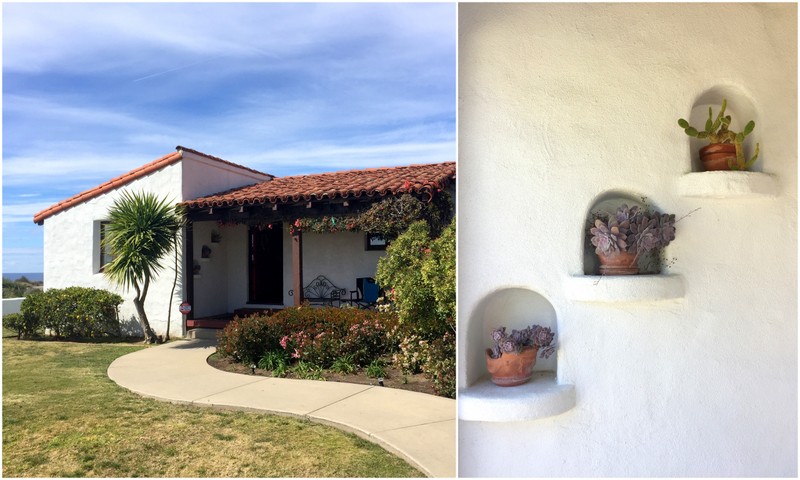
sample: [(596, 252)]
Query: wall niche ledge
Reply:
[(728, 184), (624, 288), (541, 397)]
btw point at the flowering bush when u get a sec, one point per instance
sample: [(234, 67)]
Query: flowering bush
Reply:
[(534, 336), (412, 353), (247, 339), (440, 364), (418, 275), (317, 336)]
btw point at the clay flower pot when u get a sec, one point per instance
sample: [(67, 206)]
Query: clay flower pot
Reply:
[(512, 369), (716, 155), (618, 263)]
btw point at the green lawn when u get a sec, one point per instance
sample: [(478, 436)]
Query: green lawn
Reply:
[(62, 416)]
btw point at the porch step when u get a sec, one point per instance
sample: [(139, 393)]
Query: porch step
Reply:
[(218, 323), (202, 333)]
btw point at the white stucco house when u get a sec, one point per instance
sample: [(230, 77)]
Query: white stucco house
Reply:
[(238, 252), (563, 108)]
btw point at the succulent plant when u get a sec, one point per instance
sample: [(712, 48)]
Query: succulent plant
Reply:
[(717, 131), (631, 230), (529, 337)]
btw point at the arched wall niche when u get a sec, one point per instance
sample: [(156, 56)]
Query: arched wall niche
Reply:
[(740, 107), (514, 308), (609, 202)]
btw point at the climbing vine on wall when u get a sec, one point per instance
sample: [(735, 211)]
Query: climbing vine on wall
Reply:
[(389, 217)]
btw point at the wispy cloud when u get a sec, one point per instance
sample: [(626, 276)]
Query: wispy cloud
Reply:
[(22, 212), (94, 90)]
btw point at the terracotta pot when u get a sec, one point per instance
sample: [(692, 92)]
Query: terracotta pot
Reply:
[(512, 369), (618, 263), (715, 156)]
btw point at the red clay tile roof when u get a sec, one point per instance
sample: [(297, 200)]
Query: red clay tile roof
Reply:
[(347, 184), (126, 178)]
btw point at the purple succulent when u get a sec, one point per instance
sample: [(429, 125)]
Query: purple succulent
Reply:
[(667, 227), (507, 346), (532, 336), (608, 239), (542, 336), (631, 230), (498, 334), (624, 214)]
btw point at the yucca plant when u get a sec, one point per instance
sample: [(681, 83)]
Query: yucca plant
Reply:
[(717, 131), (141, 231)]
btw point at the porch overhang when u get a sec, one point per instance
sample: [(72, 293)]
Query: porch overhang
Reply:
[(339, 194)]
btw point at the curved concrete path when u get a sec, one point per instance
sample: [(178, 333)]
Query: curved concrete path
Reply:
[(420, 428)]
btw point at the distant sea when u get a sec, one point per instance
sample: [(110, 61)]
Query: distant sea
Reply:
[(33, 277)]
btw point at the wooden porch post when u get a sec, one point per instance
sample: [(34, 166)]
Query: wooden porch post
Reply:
[(297, 267), (188, 267)]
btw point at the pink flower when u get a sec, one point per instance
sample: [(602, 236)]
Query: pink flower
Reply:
[(296, 354), (284, 340)]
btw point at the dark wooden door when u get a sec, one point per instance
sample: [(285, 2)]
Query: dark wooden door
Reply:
[(266, 265)]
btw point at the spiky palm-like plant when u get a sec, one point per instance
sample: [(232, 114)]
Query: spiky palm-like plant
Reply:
[(141, 231)]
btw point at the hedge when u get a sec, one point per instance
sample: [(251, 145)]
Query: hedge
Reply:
[(72, 312), (315, 335)]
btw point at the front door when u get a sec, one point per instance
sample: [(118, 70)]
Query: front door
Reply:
[(266, 265)]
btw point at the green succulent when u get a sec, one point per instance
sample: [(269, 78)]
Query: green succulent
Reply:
[(717, 131)]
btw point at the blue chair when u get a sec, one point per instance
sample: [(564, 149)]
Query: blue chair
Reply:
[(366, 293)]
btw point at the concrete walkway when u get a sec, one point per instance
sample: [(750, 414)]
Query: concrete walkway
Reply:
[(419, 428)]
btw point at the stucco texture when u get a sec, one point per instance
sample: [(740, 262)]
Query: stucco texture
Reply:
[(564, 105)]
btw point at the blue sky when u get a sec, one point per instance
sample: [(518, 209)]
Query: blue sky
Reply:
[(91, 91)]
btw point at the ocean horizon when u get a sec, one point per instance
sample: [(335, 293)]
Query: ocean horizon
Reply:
[(34, 276)]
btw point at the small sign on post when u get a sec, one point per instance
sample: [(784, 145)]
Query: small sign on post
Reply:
[(185, 308)]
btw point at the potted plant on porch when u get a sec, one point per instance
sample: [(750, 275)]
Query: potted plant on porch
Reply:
[(724, 151), (621, 238), (513, 356)]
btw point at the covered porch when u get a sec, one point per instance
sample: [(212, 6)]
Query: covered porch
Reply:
[(288, 240)]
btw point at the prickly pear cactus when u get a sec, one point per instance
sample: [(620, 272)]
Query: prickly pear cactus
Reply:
[(717, 131)]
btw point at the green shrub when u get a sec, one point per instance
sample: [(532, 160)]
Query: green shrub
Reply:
[(307, 371), (419, 275), (376, 369), (344, 365), (74, 312), (275, 361), (439, 272), (247, 339), (26, 326)]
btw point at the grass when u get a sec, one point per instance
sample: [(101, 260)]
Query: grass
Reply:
[(62, 416)]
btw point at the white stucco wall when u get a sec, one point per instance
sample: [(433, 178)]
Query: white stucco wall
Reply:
[(340, 257), (210, 285), (71, 237), (70, 246), (203, 176), (561, 103)]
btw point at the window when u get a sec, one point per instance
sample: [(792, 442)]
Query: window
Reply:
[(105, 256), (375, 241)]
